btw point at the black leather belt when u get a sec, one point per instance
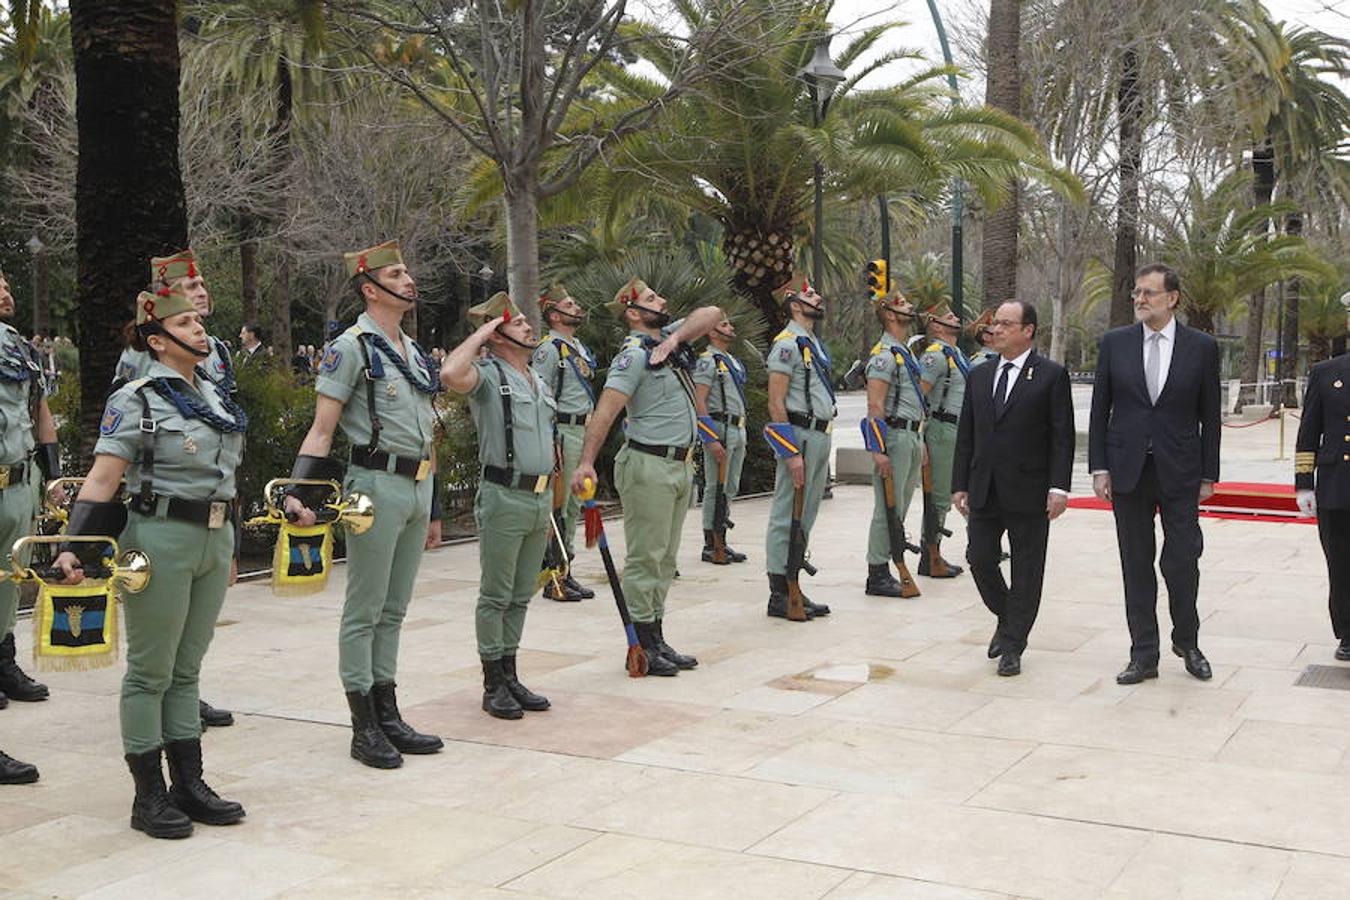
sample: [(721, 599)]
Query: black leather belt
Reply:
[(949, 418), (535, 484), (416, 469), (902, 422), (802, 420), (12, 474), (571, 419), (210, 513), (731, 421), (679, 454)]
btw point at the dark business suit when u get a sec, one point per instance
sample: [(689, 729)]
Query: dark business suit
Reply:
[(1322, 463), (1008, 463), (1157, 455)]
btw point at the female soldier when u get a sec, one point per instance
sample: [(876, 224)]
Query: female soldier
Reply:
[(177, 437)]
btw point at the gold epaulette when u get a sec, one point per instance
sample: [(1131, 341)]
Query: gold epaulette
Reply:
[(630, 342), (137, 384), (934, 347), (1305, 462), (876, 348), (785, 333), (707, 352)]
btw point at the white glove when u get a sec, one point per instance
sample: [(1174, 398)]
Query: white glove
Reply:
[(1307, 503)]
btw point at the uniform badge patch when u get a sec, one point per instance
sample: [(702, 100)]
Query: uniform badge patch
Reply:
[(112, 417), (785, 354), (623, 362), (189, 445), (331, 360), (540, 355), (220, 366)]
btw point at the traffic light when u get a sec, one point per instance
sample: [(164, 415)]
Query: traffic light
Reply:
[(878, 284)]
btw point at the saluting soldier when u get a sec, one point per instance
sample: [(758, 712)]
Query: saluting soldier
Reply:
[(944, 369), (377, 384), (1322, 480), (981, 331), (566, 366), (801, 412), (649, 377), (29, 455), (719, 397), (177, 438), (896, 411), (513, 411)]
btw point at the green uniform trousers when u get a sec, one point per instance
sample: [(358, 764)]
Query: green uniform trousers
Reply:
[(735, 444), (169, 626), (17, 504), (655, 494), (816, 447), (513, 530), (941, 440), (571, 437), (381, 571), (905, 448)]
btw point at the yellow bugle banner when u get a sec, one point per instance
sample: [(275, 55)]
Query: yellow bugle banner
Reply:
[(75, 626), (303, 555)]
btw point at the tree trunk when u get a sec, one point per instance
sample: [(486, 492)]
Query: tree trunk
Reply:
[(1289, 368), (761, 260), (1003, 90), (1061, 293), (522, 244), (1263, 189), (126, 111), (280, 134), (1129, 111), (1200, 319), (248, 271)]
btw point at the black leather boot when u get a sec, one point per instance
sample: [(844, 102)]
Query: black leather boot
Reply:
[(497, 699), (152, 811), (657, 664), (13, 682), (190, 794), (212, 717), (734, 555), (563, 595), (578, 588), (528, 699), (680, 660), (14, 772), (933, 565), (778, 591), (369, 745), (4, 701), (709, 553), (880, 582), (402, 735)]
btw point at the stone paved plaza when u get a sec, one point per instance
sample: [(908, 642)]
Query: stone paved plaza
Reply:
[(873, 754)]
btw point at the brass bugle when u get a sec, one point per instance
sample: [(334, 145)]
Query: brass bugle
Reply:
[(129, 573), (355, 511)]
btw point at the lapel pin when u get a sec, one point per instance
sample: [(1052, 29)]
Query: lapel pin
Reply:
[(1029, 373), (1337, 384)]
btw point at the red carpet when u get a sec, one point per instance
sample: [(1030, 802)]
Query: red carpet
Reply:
[(1235, 500)]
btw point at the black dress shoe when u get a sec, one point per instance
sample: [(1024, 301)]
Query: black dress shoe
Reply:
[(1136, 672), (1343, 651), (216, 718), (995, 646), (1010, 664), (578, 588), (14, 772), (880, 582), (1195, 661), (566, 595)]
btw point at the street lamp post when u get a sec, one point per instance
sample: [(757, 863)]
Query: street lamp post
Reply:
[(35, 246), (958, 274), (822, 76)]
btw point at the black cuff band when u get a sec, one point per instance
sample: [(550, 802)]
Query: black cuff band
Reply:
[(317, 468), (49, 460), (88, 517)]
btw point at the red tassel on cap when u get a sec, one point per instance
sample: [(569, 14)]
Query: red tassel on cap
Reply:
[(506, 315)]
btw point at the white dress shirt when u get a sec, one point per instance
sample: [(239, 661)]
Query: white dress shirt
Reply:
[(1016, 370)]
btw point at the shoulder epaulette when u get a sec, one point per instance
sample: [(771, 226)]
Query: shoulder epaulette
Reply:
[(876, 348), (785, 334), (934, 347), (630, 342), (137, 384)]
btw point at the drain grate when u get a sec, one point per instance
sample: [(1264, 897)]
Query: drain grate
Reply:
[(1336, 678)]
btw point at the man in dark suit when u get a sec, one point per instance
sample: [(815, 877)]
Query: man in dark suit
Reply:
[(1323, 456), (1153, 447), (1011, 471)]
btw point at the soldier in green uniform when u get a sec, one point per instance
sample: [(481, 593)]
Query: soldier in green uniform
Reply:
[(514, 413), (650, 378), (719, 397), (28, 455), (893, 431), (944, 369), (377, 384), (566, 366), (981, 331), (176, 437), (801, 412)]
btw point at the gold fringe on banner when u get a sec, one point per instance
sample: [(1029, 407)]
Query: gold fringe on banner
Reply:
[(74, 628)]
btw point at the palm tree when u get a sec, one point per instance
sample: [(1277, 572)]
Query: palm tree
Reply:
[(1220, 254), (1003, 90), (741, 149), (1322, 316)]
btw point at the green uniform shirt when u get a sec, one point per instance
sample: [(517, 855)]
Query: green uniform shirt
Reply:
[(903, 398), (785, 356), (939, 368), (133, 364), (724, 374), (566, 367), (18, 369), (406, 414), (532, 409), (193, 460), (660, 408)]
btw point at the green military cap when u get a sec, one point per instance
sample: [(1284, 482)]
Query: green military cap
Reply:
[(943, 313), (372, 258), (556, 293), (168, 269), (497, 305), (793, 287), (629, 294), (162, 304)]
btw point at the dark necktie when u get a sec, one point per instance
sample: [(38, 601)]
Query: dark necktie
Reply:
[(1001, 391)]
